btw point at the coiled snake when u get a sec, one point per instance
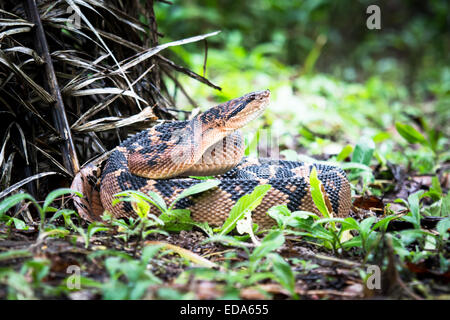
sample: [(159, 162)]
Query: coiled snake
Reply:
[(163, 157)]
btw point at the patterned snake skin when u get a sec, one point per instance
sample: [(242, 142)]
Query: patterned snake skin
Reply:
[(162, 158)]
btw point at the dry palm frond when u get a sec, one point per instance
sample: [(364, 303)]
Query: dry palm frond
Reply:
[(107, 80)]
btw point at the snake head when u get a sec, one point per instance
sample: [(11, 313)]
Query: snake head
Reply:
[(236, 113)]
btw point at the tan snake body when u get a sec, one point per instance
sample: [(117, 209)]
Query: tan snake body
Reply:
[(162, 158)]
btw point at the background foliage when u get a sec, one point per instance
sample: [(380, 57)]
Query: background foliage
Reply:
[(375, 102)]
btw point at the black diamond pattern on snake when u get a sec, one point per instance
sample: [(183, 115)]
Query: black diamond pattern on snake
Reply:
[(162, 158)]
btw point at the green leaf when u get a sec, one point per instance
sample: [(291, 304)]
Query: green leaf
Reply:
[(383, 223), (436, 185), (149, 252), (442, 227), (283, 273), (141, 207), (158, 200), (11, 201), (14, 254), (177, 220), (445, 206), (271, 242), (197, 188), (410, 235), (19, 224), (290, 155), (92, 229), (135, 196), (414, 207), (345, 152), (409, 133), (363, 151), (365, 226), (57, 193), (350, 224), (354, 242), (381, 136), (204, 226), (246, 203), (281, 214), (316, 193), (353, 165)]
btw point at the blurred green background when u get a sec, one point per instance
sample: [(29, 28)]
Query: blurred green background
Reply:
[(333, 81)]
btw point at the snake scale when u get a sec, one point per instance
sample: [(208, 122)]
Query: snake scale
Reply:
[(162, 158)]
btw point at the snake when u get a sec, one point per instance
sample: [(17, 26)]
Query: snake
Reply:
[(169, 158)]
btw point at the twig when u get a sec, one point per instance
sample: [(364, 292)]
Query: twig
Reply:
[(69, 155), (155, 76), (191, 101), (187, 72), (205, 59), (333, 259)]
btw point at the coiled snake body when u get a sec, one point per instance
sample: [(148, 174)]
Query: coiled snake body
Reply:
[(162, 158)]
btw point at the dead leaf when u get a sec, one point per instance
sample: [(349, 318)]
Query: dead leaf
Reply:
[(372, 203)]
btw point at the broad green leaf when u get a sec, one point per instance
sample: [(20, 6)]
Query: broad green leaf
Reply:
[(436, 184), (139, 288), (158, 200), (350, 223), (409, 133), (363, 151), (115, 290), (197, 188), (133, 196), (290, 155), (345, 152), (442, 227), (410, 235), (54, 232), (19, 224), (283, 273), (57, 193), (11, 201), (383, 223), (352, 243), (381, 136), (271, 242), (14, 254), (177, 220), (109, 252), (202, 177), (141, 207), (353, 165), (149, 252), (445, 206), (245, 204), (204, 226), (281, 214), (316, 193), (365, 226), (414, 207)]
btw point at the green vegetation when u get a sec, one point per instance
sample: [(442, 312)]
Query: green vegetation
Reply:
[(374, 102)]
